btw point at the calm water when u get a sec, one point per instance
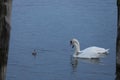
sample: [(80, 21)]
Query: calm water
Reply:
[(47, 26)]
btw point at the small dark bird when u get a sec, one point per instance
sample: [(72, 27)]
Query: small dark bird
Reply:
[(34, 53)]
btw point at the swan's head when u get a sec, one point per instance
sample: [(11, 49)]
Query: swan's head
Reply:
[(74, 42)]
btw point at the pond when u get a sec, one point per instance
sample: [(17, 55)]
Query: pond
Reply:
[(47, 27)]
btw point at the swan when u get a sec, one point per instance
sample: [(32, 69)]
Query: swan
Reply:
[(90, 52)]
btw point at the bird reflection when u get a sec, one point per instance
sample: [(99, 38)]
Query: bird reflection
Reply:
[(75, 61), (93, 61)]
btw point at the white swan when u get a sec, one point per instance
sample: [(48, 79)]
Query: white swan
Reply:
[(90, 52)]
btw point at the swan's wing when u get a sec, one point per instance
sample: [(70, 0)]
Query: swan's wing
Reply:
[(107, 50), (91, 52), (95, 49)]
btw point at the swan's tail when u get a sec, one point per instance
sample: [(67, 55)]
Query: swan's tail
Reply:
[(107, 50)]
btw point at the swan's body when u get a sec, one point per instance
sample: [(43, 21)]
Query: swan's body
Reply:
[(90, 52)]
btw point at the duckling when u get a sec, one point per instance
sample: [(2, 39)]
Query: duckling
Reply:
[(34, 53)]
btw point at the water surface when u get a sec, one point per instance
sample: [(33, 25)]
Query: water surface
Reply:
[(48, 26)]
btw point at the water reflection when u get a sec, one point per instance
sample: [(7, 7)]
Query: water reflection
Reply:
[(75, 61)]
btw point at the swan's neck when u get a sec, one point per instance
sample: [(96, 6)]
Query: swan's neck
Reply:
[(77, 48)]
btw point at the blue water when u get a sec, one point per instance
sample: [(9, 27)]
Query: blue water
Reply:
[(47, 26)]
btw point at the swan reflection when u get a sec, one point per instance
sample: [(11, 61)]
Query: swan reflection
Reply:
[(75, 61)]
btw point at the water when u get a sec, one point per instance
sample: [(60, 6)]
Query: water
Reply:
[(48, 26)]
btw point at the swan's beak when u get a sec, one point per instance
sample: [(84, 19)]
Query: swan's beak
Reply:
[(71, 44)]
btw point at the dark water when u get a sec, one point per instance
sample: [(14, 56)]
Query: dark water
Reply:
[(47, 26)]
